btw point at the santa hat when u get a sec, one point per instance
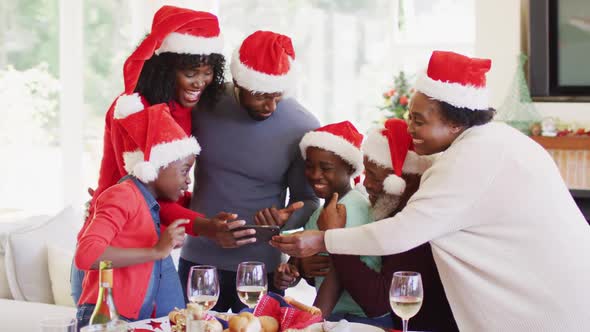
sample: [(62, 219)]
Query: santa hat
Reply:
[(391, 147), (457, 80), (175, 30), (341, 138), (152, 140), (264, 63)]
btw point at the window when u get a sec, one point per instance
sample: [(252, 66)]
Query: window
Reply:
[(347, 54)]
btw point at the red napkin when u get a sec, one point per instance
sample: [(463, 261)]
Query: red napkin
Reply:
[(288, 317)]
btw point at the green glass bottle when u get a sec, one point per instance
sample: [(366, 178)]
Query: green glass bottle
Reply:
[(105, 311)]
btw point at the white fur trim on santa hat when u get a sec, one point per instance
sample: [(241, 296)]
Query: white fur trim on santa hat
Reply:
[(394, 185), (330, 142), (161, 155), (145, 171), (458, 95), (256, 81), (188, 44), (376, 149), (127, 105)]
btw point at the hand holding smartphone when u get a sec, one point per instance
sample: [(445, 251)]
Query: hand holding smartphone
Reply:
[(264, 233)]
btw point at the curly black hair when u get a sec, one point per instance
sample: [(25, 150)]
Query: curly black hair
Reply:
[(465, 117), (157, 80)]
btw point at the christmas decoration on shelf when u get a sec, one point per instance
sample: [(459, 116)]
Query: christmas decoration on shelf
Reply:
[(396, 99), (580, 132), (553, 127), (518, 109)]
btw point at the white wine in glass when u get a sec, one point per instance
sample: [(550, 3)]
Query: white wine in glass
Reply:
[(405, 295), (251, 295), (251, 283), (203, 286)]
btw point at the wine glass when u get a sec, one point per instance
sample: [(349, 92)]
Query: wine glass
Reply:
[(251, 283), (202, 287), (405, 295)]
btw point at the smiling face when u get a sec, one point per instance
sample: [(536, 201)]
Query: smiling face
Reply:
[(190, 84), (430, 132), (327, 173), (374, 177), (174, 179), (260, 106)]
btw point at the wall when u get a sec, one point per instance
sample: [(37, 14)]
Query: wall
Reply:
[(501, 34)]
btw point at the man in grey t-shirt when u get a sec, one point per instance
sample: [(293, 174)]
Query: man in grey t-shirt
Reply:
[(250, 158)]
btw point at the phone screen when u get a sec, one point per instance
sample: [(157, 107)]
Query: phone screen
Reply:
[(264, 233)]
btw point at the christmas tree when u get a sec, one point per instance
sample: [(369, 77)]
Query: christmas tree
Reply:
[(396, 99), (518, 109)]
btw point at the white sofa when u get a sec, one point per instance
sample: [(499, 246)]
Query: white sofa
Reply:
[(35, 257)]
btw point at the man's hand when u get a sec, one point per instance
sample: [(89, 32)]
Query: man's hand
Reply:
[(275, 217), (315, 266), (300, 244), (171, 238), (285, 276), (220, 228), (333, 215)]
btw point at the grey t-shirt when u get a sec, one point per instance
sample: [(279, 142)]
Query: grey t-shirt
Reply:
[(244, 166)]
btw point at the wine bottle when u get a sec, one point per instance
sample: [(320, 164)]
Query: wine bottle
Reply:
[(105, 310)]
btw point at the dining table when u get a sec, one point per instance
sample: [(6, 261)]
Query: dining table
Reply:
[(163, 324)]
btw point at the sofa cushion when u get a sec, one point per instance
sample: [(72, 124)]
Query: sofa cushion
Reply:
[(10, 222), (59, 262), (26, 255)]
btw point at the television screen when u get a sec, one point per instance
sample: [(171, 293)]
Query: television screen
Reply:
[(573, 48), (559, 50)]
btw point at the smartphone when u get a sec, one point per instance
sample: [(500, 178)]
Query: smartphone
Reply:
[(264, 233)]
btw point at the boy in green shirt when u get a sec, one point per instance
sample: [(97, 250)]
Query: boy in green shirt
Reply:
[(332, 158)]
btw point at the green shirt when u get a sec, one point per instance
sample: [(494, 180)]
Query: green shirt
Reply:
[(358, 213)]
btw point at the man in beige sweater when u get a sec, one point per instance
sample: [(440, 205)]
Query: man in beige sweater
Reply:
[(508, 240)]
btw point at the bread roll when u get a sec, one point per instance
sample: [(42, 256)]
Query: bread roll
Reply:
[(269, 324), (245, 322), (301, 306)]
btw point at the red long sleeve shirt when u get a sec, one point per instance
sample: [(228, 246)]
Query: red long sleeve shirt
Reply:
[(123, 220)]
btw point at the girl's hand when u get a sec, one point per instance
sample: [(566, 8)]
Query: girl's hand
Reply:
[(172, 237)]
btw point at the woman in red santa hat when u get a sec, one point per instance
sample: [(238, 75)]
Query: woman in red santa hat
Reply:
[(179, 63), (505, 233)]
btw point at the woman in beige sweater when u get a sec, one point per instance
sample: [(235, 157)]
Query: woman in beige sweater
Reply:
[(509, 242)]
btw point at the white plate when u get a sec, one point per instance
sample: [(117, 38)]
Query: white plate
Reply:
[(363, 328), (344, 326)]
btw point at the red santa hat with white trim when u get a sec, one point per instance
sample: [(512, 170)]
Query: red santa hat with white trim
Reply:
[(152, 140), (391, 147), (174, 30), (340, 138), (457, 80), (264, 63)]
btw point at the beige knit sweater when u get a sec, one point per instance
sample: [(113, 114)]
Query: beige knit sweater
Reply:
[(511, 246)]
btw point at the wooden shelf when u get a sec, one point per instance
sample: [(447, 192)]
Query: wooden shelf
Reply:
[(564, 142)]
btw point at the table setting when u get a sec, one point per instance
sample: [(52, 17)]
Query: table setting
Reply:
[(266, 311)]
